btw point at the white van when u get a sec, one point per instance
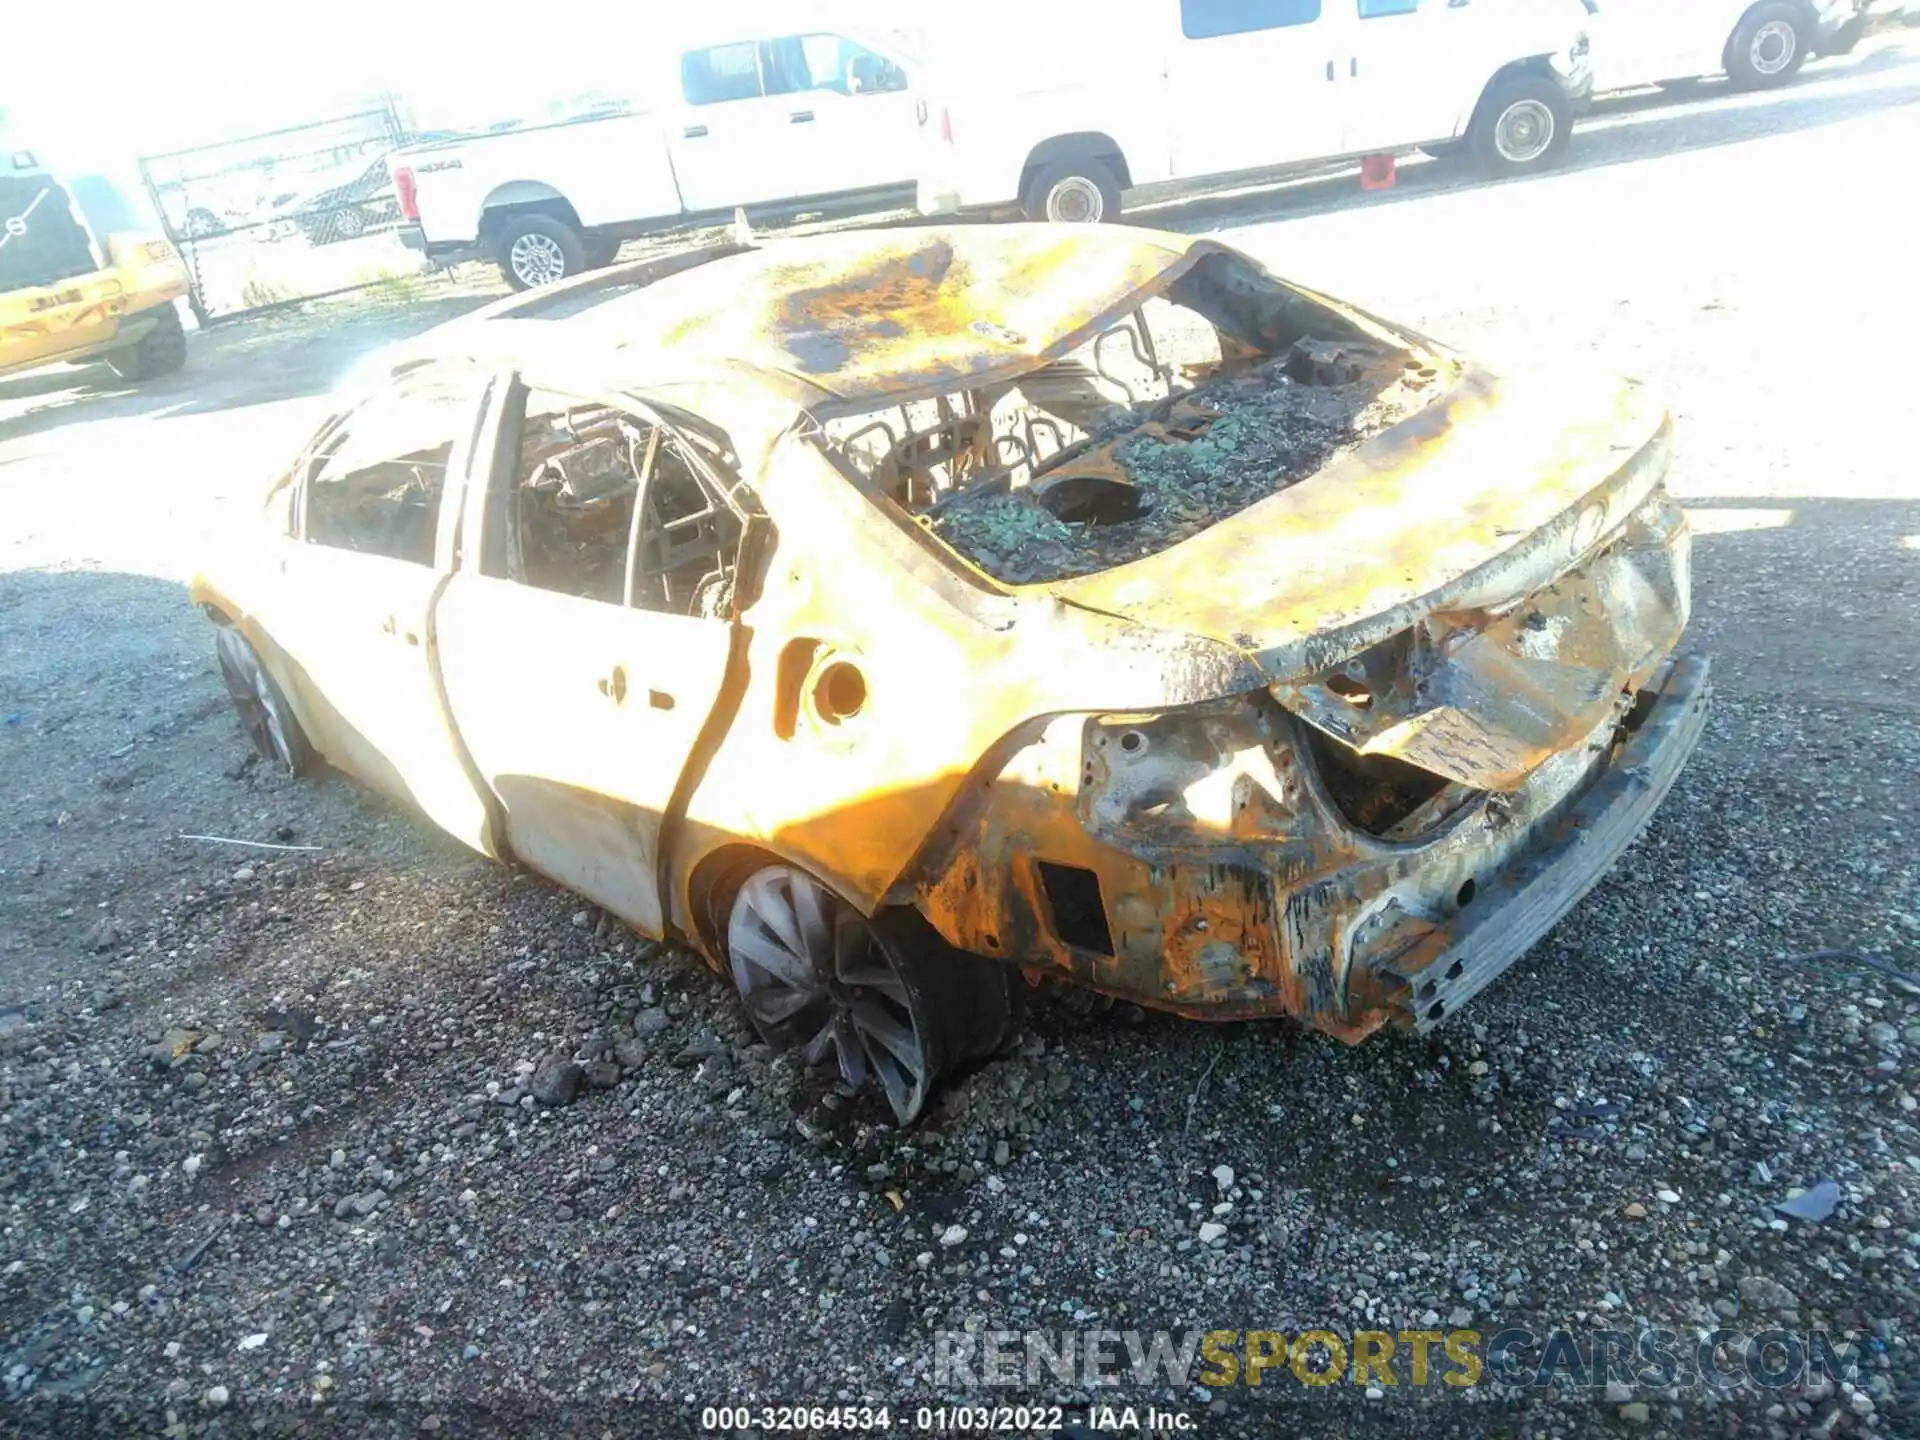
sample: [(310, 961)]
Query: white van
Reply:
[(1057, 113), (1653, 42)]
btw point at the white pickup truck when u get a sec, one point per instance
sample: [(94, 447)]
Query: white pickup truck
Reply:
[(775, 124)]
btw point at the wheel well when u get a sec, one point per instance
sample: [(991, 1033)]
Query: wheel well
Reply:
[(1083, 145), (716, 878), (1535, 66), (525, 197)]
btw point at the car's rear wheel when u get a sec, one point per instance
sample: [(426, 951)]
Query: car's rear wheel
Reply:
[(1768, 47), (1074, 192), (1523, 124), (884, 1001), (536, 250), (161, 351), (265, 716)]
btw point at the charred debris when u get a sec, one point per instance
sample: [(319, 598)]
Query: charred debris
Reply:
[(1185, 412)]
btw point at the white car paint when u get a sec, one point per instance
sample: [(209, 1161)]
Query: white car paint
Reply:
[(1360, 76), (697, 153), (1642, 42)]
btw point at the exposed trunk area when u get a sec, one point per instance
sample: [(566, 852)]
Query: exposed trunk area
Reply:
[(1148, 476)]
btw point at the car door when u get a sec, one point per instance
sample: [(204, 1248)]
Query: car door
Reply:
[(732, 143), (1415, 68), (586, 639), (851, 118), (1253, 83), (352, 607)]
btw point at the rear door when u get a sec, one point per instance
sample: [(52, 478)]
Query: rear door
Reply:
[(352, 609), (586, 639), (851, 118), (733, 143), (1254, 83)]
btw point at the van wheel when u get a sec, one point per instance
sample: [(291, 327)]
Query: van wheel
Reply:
[(1768, 47), (884, 1001), (1074, 192), (161, 351), (1523, 124), (536, 250), (265, 716)]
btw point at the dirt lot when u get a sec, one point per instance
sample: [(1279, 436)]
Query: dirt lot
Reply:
[(269, 1155)]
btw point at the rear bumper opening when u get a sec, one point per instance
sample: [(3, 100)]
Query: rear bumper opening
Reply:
[(1424, 980)]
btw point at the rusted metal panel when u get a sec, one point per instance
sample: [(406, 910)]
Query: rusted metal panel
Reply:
[(1261, 770)]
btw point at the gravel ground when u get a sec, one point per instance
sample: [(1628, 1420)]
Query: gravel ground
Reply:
[(276, 1146)]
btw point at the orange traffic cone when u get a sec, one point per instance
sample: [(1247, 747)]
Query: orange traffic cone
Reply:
[(1376, 172)]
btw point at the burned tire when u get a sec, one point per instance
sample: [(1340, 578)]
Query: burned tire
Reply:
[(1074, 192), (535, 250), (1523, 124), (161, 351), (265, 717), (1768, 47), (884, 1001)]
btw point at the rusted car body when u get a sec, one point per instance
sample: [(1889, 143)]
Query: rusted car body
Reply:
[(1091, 602)]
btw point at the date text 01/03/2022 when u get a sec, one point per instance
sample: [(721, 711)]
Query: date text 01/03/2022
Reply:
[(947, 1419)]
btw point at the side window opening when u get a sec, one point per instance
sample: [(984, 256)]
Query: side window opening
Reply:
[(1209, 19), (581, 469), (375, 484), (721, 73), (819, 61)]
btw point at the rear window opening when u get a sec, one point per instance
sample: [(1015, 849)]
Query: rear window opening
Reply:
[(1173, 418)]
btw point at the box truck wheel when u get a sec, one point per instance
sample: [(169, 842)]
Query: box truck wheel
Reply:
[(536, 249), (1074, 192), (1523, 124)]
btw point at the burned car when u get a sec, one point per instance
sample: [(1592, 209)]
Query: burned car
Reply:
[(904, 619)]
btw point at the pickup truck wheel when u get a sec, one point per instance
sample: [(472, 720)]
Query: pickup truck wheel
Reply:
[(1523, 124), (1768, 47), (1074, 192), (161, 351), (537, 250), (884, 1000), (265, 716)]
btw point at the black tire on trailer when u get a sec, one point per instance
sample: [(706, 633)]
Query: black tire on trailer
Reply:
[(536, 249), (265, 717), (1523, 124), (161, 351), (1768, 46), (1082, 191)]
